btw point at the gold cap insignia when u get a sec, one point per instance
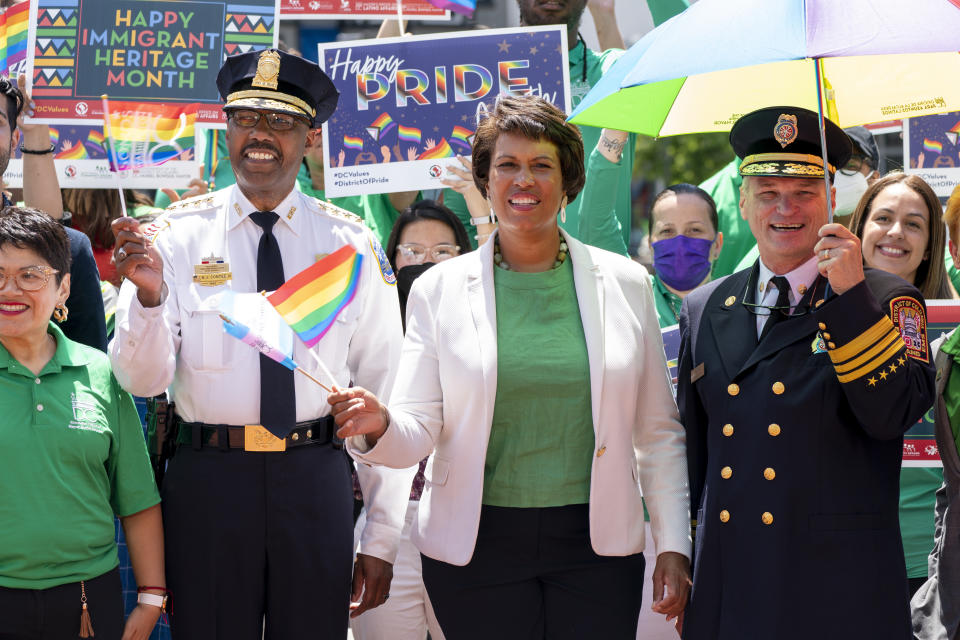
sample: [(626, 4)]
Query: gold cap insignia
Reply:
[(268, 70), (785, 130)]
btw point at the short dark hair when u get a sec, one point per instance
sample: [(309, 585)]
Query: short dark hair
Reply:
[(426, 210), (33, 230), (14, 101), (690, 189), (534, 118)]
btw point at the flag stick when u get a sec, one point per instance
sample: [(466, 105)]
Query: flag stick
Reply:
[(322, 386), (113, 152), (323, 368), (400, 16)]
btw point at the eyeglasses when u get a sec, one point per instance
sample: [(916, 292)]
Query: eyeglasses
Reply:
[(30, 278), (785, 309), (417, 253), (854, 165), (248, 119)]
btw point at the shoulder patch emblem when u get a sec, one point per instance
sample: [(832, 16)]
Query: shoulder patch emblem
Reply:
[(385, 269), (910, 320)]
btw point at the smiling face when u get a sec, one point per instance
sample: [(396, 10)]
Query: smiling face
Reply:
[(896, 232), (785, 215), (24, 315), (427, 233), (265, 162), (525, 185)]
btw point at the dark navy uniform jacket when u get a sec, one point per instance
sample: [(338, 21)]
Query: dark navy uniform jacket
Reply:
[(794, 448)]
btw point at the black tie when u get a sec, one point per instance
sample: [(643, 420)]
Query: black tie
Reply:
[(278, 398), (783, 304)]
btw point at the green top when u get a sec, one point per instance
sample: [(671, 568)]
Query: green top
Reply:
[(541, 441), (918, 486), (667, 302), (951, 394), (597, 64), (724, 187), (454, 201), (72, 455), (598, 224)]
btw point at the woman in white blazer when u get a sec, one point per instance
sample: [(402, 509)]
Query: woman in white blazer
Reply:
[(534, 368)]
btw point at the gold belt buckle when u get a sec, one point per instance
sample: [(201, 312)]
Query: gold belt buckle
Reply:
[(256, 438)]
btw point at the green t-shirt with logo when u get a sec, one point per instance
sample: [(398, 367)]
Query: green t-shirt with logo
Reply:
[(72, 455)]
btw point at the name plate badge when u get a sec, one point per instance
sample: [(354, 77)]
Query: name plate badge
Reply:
[(256, 438)]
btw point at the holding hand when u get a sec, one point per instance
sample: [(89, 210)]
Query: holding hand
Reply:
[(671, 585), (371, 580), (138, 260), (839, 258), (358, 412)]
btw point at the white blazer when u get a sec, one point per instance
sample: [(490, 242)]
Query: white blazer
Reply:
[(446, 385)]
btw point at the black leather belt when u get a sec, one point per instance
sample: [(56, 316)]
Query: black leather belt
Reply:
[(225, 436)]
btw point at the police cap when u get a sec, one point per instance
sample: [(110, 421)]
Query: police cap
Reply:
[(277, 81), (784, 142)]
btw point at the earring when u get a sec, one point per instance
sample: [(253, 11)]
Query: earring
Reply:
[(563, 210), (60, 313)]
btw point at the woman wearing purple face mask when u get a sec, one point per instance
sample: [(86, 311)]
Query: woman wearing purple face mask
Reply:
[(685, 241)]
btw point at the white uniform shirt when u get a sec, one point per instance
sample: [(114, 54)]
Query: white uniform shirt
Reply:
[(800, 279), (215, 378)]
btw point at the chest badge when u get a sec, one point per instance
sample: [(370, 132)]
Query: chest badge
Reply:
[(211, 272), (818, 345)]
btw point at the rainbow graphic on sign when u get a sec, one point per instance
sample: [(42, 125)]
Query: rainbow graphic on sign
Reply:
[(462, 135), (409, 134), (932, 145), (461, 71), (353, 143), (380, 126), (76, 152), (442, 150), (953, 133), (509, 84)]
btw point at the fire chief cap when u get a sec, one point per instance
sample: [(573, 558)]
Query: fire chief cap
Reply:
[(274, 80), (784, 142)]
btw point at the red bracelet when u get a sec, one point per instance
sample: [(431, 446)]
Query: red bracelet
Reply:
[(143, 589)]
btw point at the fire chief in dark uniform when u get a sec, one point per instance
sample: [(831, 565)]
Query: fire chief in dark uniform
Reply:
[(797, 379)]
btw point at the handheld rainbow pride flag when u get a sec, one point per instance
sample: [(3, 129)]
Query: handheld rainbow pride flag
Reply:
[(311, 300), (146, 135), (13, 39), (932, 145), (353, 143), (466, 7), (442, 150), (462, 135), (409, 134), (380, 126), (76, 152)]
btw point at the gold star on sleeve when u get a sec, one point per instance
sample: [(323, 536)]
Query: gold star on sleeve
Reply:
[(901, 360), (883, 375), (872, 381), (893, 367)]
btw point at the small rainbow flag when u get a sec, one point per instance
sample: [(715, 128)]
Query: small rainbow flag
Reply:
[(353, 143), (311, 300), (248, 318), (466, 7), (76, 152), (380, 126), (95, 137), (462, 135), (409, 134), (442, 150), (932, 145), (145, 135), (54, 135)]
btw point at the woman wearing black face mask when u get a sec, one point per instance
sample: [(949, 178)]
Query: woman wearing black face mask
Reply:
[(426, 233)]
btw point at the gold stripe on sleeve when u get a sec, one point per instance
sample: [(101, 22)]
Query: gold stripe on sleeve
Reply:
[(862, 341), (869, 354), (873, 364)]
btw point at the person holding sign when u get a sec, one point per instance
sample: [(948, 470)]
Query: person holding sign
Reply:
[(535, 370), (257, 499), (797, 379)]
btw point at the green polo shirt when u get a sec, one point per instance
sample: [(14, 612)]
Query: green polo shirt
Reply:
[(541, 442), (667, 303), (72, 455)]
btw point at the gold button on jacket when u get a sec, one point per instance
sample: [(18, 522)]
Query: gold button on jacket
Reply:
[(728, 430), (778, 387), (767, 517), (733, 389), (774, 429), (726, 472), (724, 515), (769, 473)]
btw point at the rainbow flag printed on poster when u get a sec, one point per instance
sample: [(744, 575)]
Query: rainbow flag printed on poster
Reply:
[(932, 145), (311, 300), (441, 150)]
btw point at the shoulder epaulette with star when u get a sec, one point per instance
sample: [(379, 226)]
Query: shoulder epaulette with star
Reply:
[(334, 211)]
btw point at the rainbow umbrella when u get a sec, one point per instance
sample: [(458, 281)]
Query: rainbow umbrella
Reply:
[(858, 61)]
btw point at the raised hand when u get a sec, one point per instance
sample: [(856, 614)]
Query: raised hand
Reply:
[(138, 260)]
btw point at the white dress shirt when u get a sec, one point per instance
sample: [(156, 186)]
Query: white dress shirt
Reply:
[(800, 279)]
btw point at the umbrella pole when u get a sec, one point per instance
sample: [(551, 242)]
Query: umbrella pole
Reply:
[(823, 138)]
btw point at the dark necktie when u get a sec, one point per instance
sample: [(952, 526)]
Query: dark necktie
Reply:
[(783, 304), (278, 399)]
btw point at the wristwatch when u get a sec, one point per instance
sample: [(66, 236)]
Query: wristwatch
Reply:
[(153, 599)]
